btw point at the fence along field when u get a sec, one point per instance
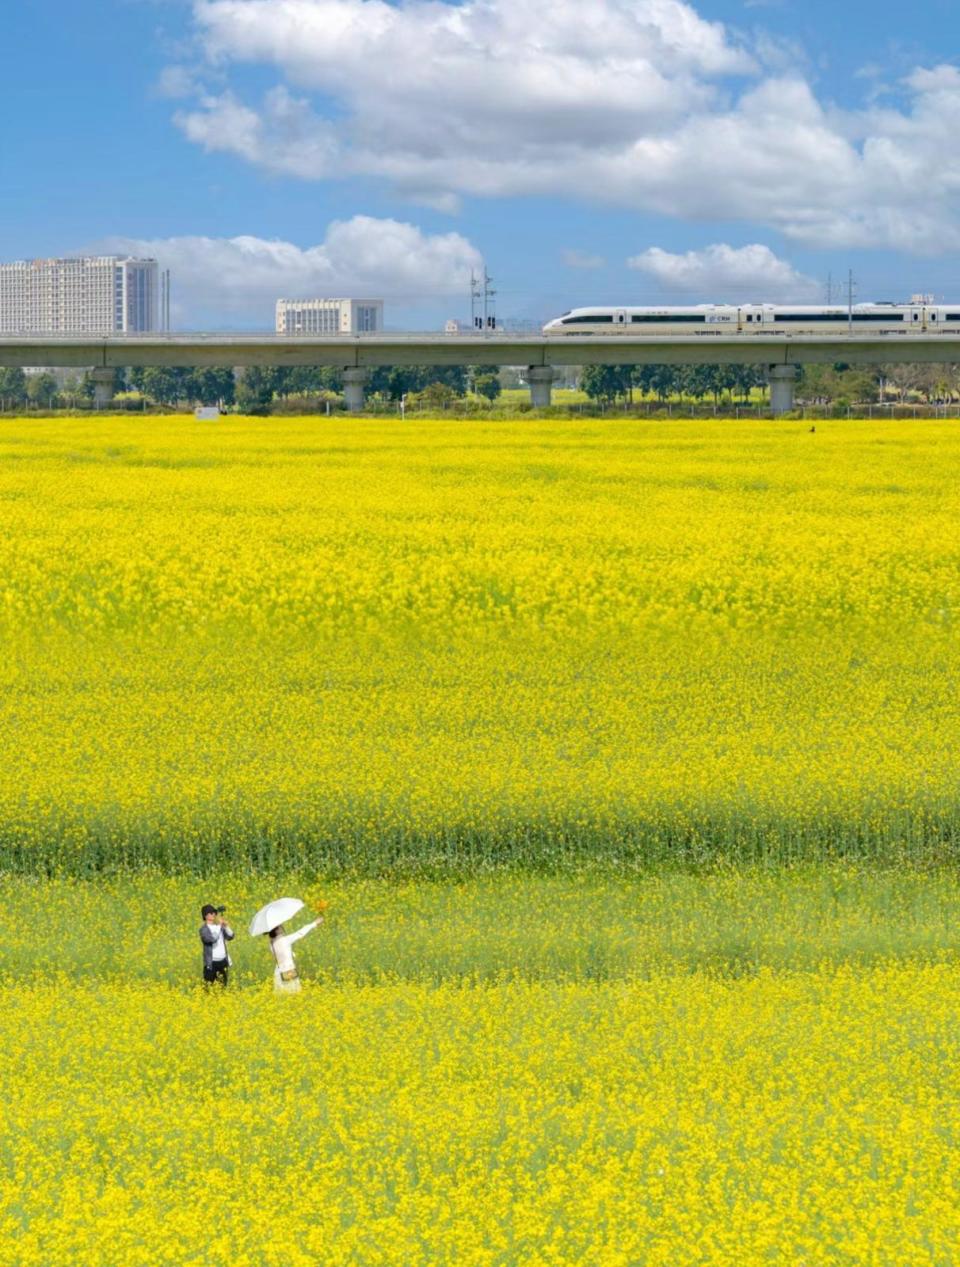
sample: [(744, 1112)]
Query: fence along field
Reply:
[(434, 647)]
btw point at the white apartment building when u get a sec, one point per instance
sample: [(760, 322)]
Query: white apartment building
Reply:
[(101, 294), (329, 316)]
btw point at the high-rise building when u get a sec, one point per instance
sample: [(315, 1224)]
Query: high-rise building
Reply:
[(101, 294), (329, 316)]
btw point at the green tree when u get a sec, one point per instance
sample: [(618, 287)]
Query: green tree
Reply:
[(307, 380), (724, 380), (41, 389), (166, 384), (397, 381), (746, 378), (606, 382), (280, 378), (697, 380), (487, 385), (436, 395), (13, 388), (665, 381), (255, 389), (378, 384), (453, 376), (214, 385), (644, 377)]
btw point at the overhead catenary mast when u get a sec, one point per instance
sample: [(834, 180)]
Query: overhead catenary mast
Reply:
[(482, 316)]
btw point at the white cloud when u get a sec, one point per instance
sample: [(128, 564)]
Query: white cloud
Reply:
[(494, 86), (722, 272), (286, 137), (581, 259), (230, 282), (177, 82), (636, 103)]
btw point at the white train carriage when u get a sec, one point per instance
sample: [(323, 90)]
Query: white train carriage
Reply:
[(747, 319)]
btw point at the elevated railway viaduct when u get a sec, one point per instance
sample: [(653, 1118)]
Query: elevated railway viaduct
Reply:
[(355, 355)]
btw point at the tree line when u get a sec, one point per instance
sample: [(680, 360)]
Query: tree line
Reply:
[(666, 382), (253, 388), (259, 388)]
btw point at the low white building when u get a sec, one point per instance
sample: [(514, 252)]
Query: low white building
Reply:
[(329, 316)]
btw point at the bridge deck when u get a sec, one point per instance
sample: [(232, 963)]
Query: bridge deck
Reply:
[(367, 351)]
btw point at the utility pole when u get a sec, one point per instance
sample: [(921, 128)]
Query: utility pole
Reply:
[(481, 301), (489, 320), (829, 289), (850, 289)]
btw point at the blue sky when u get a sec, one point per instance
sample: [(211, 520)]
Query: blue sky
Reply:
[(586, 150)]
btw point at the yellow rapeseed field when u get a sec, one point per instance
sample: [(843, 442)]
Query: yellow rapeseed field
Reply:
[(785, 1118), (750, 1068), (446, 645), (411, 668)]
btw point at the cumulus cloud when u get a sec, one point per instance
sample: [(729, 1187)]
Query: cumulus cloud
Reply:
[(230, 282), (419, 84), (722, 272), (639, 103), (284, 136)]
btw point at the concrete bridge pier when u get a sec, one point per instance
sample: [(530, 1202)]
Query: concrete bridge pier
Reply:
[(540, 378), (354, 381), (783, 379), (104, 381)]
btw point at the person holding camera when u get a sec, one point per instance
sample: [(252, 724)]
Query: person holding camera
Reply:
[(215, 932)]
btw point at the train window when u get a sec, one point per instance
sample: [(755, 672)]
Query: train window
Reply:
[(664, 318), (933, 316), (593, 319), (878, 316), (952, 316)]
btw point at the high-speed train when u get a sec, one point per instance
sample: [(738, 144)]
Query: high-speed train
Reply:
[(707, 319)]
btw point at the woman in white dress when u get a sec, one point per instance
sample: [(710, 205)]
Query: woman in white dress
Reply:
[(286, 979)]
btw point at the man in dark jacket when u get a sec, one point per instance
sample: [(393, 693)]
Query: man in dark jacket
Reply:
[(215, 932)]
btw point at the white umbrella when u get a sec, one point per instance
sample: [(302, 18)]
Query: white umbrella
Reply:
[(274, 913)]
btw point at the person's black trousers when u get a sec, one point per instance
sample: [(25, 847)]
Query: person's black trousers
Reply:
[(216, 971)]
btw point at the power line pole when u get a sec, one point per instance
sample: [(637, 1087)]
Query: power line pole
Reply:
[(829, 288), (489, 320), (482, 316), (474, 298), (851, 287)]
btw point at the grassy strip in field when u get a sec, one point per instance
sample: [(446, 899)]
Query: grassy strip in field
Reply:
[(576, 928)]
